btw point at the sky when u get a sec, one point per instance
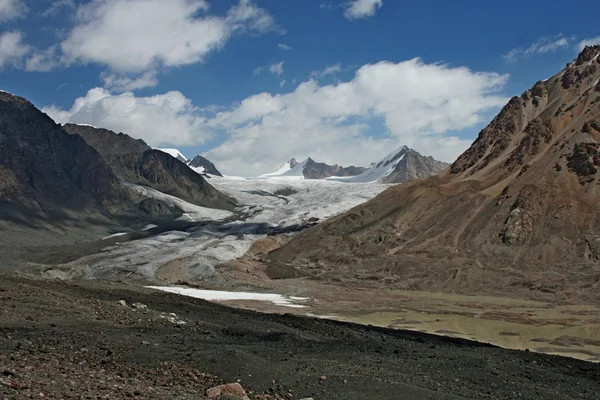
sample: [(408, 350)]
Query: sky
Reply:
[(252, 83)]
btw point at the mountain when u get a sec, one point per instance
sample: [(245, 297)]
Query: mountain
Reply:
[(317, 170), (203, 166), (310, 169), (135, 162), (515, 215), (401, 165), (50, 179), (175, 154)]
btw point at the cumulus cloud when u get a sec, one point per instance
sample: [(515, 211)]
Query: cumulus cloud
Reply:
[(543, 45), (417, 103), (166, 119), (10, 9), (353, 122), (136, 39), (357, 9), (12, 48), (588, 42)]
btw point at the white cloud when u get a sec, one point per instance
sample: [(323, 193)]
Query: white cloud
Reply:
[(10, 9), (543, 45), (139, 35), (329, 70), (283, 46), (276, 68), (43, 61), (122, 83), (57, 6), (353, 122), (12, 48), (588, 42), (418, 104), (357, 9), (168, 118), (282, 83)]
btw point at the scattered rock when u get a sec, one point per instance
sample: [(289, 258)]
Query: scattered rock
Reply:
[(232, 389), (122, 302), (139, 306)]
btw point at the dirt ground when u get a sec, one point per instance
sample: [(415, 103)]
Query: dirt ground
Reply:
[(65, 340)]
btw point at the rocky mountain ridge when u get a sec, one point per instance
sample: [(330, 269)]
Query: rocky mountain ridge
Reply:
[(203, 166), (135, 162), (401, 165)]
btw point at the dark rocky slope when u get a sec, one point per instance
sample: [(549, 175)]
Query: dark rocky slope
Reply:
[(49, 178), (201, 163), (135, 162), (515, 215)]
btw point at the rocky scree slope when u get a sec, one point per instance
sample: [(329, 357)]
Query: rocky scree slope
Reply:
[(515, 215), (135, 162)]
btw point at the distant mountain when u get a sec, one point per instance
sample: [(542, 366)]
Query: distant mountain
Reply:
[(310, 169), (515, 215), (401, 165), (175, 154), (135, 162), (203, 166)]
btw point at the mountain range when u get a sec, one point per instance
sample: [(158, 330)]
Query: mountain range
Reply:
[(400, 166), (516, 213)]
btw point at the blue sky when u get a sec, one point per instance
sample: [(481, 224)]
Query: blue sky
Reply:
[(252, 83)]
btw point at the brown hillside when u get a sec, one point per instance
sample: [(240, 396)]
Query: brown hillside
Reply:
[(516, 214)]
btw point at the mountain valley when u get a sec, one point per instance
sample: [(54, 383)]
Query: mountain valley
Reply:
[(410, 277)]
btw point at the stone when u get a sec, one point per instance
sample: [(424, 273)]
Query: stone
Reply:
[(122, 302), (232, 389), (139, 306)]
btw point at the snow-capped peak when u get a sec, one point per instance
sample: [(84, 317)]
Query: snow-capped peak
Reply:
[(377, 171), (174, 153), (292, 169)]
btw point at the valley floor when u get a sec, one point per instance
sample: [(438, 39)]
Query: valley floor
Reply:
[(65, 340)]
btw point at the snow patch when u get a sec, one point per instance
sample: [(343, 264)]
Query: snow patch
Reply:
[(218, 295), (174, 153), (149, 226), (191, 211), (91, 126), (115, 235)]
